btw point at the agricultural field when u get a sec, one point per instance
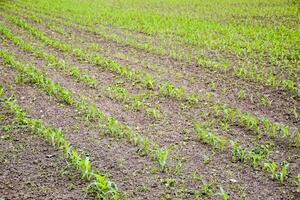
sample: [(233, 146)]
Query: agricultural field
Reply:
[(153, 99)]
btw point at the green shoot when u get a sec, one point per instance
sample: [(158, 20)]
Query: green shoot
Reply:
[(271, 168), (223, 194), (162, 156)]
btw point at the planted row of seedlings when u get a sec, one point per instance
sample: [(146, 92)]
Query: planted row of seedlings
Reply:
[(265, 102), (119, 93), (50, 59), (255, 158), (260, 126), (136, 102), (100, 185), (115, 129), (150, 83), (116, 92), (169, 90), (244, 72), (262, 101), (166, 89), (81, 55), (29, 74), (162, 155)]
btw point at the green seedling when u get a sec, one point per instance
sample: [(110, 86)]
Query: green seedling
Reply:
[(255, 159), (285, 131), (86, 168), (264, 101), (237, 152), (144, 145), (162, 156), (103, 188), (223, 194), (121, 94), (193, 99), (271, 167), (206, 189), (294, 112), (224, 126), (289, 85), (241, 94), (137, 104), (79, 53), (1, 91), (153, 113), (281, 176), (297, 179), (168, 90), (149, 82), (210, 138), (297, 140), (114, 128), (267, 124), (213, 85)]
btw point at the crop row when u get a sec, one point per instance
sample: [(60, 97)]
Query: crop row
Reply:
[(169, 90), (178, 93), (165, 89), (118, 93), (92, 114), (80, 54), (228, 31), (112, 127), (251, 72), (254, 158), (136, 102), (50, 59), (100, 185), (259, 126)]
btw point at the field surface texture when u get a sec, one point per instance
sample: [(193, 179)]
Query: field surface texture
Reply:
[(150, 100)]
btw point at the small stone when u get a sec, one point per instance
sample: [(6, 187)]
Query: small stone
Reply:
[(233, 180), (35, 162)]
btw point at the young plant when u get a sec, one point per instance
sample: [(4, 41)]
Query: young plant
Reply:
[(114, 127), (162, 156), (103, 188), (237, 152), (86, 168), (206, 189), (137, 104), (297, 179), (153, 113), (1, 91), (270, 167), (255, 159), (223, 194), (193, 99), (119, 93), (168, 90), (241, 94), (149, 82), (281, 176), (144, 145), (297, 140)]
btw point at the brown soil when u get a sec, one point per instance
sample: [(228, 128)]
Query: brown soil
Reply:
[(138, 176)]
